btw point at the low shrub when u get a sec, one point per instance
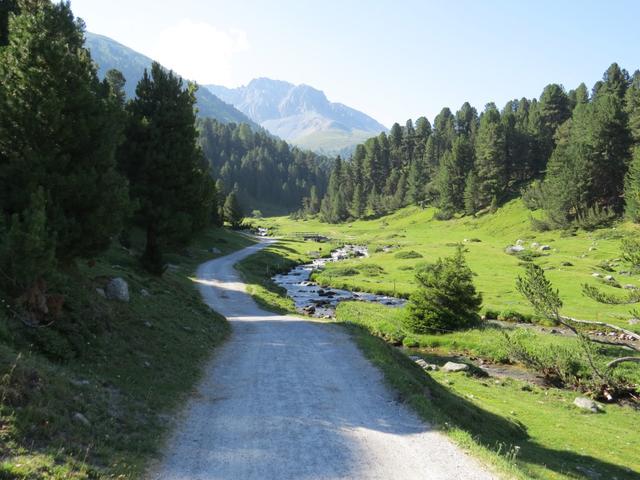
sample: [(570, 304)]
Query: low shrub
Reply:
[(408, 254), (491, 314), (371, 269), (513, 316)]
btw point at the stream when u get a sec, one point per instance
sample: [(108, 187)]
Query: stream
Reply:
[(311, 299)]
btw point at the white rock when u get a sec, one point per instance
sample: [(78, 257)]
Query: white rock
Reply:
[(514, 249), (587, 404), (80, 418), (596, 275), (609, 278), (117, 289), (455, 367)]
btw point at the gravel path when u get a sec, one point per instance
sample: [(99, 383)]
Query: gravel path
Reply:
[(288, 398)]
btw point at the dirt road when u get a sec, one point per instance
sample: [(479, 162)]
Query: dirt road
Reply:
[(288, 398)]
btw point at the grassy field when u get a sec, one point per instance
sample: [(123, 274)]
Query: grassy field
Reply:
[(572, 260), (125, 367), (526, 430)]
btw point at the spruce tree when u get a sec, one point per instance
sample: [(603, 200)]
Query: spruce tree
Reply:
[(471, 194), (164, 164)]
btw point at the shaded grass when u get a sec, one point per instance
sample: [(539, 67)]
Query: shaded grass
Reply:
[(126, 367), (528, 432)]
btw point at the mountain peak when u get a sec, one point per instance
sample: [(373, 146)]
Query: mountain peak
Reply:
[(300, 114)]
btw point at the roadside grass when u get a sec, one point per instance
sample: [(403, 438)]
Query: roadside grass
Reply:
[(570, 262), (124, 367)]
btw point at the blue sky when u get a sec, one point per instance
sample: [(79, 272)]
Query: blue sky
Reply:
[(391, 59)]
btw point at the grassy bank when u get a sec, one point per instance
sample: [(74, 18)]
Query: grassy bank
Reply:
[(92, 395), (414, 237)]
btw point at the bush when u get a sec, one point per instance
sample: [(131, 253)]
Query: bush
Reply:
[(513, 316), (596, 217), (446, 298), (408, 255), (371, 269), (343, 271), (560, 366), (491, 314), (444, 214)]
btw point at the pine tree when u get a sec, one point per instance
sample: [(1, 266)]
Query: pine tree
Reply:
[(446, 298), (471, 194), (232, 211), (358, 203), (59, 129), (632, 107), (164, 164), (452, 175), (490, 156), (632, 188)]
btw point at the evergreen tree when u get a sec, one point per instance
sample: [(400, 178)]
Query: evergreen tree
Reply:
[(59, 130), (358, 202), (632, 107), (471, 194), (553, 111), (162, 155), (452, 175), (632, 188), (490, 156), (232, 211), (446, 298)]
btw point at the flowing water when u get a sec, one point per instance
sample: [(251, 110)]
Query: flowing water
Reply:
[(317, 301)]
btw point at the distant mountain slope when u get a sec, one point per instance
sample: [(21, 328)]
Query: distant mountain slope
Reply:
[(301, 114), (108, 54)]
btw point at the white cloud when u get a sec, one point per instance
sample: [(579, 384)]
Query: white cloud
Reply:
[(199, 51)]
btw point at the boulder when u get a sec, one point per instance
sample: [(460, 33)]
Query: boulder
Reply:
[(587, 404), (544, 248), (455, 367), (514, 249), (309, 309), (117, 289), (609, 278)]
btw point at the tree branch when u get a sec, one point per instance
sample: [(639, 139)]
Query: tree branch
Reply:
[(617, 361)]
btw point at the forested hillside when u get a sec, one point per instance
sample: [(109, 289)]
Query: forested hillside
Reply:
[(266, 173), (575, 154)]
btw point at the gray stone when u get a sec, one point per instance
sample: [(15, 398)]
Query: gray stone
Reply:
[(117, 289), (80, 418), (634, 321), (545, 248), (455, 367), (101, 292), (628, 286), (596, 275), (587, 404), (514, 249), (215, 251), (609, 278)]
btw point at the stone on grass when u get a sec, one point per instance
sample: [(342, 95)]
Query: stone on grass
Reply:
[(455, 367), (609, 278), (596, 275), (545, 248), (117, 289), (514, 249), (634, 321), (587, 404), (628, 286), (80, 418)]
